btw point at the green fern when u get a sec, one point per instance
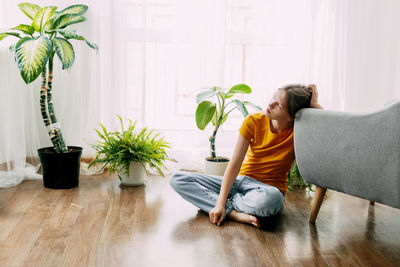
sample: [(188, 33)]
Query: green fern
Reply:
[(294, 174), (117, 149)]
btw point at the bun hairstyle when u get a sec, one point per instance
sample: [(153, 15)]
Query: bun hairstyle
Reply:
[(298, 97)]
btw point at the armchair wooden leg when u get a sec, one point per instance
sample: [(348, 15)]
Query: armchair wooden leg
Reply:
[(318, 198), (372, 202)]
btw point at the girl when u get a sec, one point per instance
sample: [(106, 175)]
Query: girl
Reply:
[(254, 186)]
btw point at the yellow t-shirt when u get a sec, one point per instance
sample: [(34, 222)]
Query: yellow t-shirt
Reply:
[(270, 155)]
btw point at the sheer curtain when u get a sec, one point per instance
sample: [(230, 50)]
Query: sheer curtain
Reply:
[(154, 54), (83, 96), (353, 53)]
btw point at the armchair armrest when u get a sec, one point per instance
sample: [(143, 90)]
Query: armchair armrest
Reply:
[(357, 154)]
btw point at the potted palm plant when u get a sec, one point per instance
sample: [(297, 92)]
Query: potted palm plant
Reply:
[(129, 152), (217, 112), (38, 43)]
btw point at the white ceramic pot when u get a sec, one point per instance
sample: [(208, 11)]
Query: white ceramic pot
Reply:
[(215, 168), (137, 175)]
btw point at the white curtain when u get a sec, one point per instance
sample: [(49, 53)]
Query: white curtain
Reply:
[(153, 55), (83, 96), (353, 54)]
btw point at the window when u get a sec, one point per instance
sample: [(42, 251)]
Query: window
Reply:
[(175, 47)]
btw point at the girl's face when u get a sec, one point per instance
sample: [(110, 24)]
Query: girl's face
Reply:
[(276, 109)]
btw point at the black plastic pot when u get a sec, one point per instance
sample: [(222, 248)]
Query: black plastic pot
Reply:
[(60, 170)]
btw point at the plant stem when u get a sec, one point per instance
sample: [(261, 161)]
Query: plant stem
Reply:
[(217, 124), (43, 95), (212, 138), (43, 107), (55, 132), (212, 143)]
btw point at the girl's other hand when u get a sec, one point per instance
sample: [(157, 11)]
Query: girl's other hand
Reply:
[(314, 97), (217, 215)]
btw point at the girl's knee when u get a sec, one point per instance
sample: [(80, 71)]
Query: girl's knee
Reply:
[(179, 178), (269, 203)]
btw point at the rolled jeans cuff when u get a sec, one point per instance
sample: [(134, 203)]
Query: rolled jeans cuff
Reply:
[(228, 207)]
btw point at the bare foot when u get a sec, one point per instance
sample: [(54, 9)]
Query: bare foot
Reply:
[(244, 218)]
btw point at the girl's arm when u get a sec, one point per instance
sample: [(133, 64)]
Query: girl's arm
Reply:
[(217, 214)]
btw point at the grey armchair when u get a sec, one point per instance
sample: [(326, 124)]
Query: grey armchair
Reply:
[(357, 154)]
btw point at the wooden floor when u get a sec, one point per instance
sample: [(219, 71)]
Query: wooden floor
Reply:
[(101, 223)]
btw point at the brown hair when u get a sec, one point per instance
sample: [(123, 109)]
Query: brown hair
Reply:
[(298, 97)]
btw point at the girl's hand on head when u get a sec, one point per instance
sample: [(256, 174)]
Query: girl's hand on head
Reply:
[(314, 97)]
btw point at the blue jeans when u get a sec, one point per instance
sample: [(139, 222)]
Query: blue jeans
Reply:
[(246, 195)]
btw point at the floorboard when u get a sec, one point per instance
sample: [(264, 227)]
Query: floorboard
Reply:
[(101, 223)]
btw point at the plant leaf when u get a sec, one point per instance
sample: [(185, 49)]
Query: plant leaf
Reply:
[(229, 95), (204, 113), (65, 52), (75, 9), (12, 48), (67, 19), (49, 25), (248, 103), (29, 9), (204, 95), (214, 119), (240, 88), (42, 17), (27, 29), (217, 88), (241, 107), (70, 34), (31, 56), (5, 34), (91, 45)]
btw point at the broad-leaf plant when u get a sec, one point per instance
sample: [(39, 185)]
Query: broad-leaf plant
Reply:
[(47, 35), (217, 111)]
